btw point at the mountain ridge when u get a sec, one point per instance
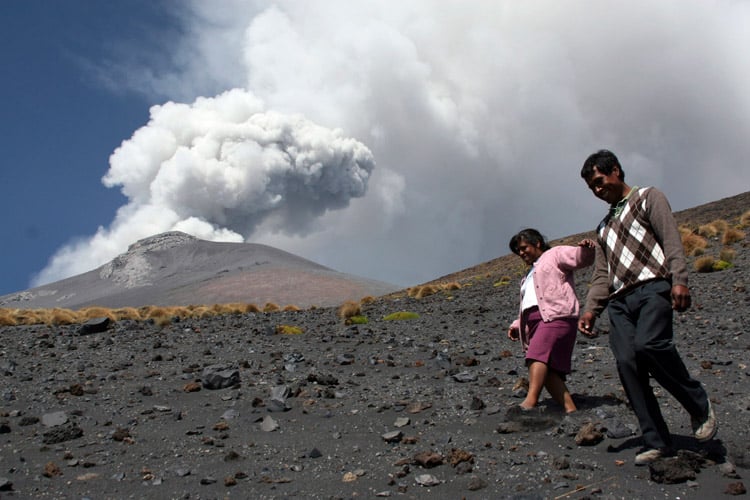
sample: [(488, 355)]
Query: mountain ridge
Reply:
[(174, 268)]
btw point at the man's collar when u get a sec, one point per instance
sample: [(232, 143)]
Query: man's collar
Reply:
[(616, 209)]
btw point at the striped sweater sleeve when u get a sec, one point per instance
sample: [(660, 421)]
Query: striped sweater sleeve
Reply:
[(668, 235)]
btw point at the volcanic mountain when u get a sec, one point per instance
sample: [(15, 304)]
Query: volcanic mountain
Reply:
[(175, 268)]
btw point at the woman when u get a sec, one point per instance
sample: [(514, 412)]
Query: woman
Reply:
[(547, 323)]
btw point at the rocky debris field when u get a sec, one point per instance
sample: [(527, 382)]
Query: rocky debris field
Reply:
[(230, 408)]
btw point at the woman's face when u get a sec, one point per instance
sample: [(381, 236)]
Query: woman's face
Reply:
[(528, 252)]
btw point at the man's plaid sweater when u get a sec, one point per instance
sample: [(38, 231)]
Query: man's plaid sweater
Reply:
[(638, 244)]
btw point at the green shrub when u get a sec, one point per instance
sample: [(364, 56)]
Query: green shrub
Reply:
[(503, 281), (357, 320), (720, 265), (709, 264), (401, 315), (288, 330)]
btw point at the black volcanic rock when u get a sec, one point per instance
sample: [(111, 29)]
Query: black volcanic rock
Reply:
[(389, 421)]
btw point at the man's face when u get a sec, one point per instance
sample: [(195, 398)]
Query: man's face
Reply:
[(607, 187)]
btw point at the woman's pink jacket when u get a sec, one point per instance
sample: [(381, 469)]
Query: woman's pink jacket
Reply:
[(554, 284)]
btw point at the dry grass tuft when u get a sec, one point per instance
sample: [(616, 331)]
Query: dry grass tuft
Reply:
[(233, 308), (145, 311), (745, 219), (349, 309), (202, 312), (8, 318), (369, 299), (708, 230), (59, 316), (720, 224), (421, 291), (96, 312), (162, 321), (29, 316), (424, 291), (270, 307), (693, 243), (704, 264), (163, 316), (727, 254), (160, 315), (126, 313), (731, 236), (453, 285), (709, 264)]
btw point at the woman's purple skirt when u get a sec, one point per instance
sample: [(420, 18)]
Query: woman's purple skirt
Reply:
[(551, 343)]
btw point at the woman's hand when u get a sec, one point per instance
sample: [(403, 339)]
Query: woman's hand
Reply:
[(513, 334), (587, 243)]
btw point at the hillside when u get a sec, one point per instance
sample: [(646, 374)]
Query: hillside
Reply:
[(729, 208)]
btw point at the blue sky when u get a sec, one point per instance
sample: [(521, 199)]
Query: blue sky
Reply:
[(400, 143), (59, 124)]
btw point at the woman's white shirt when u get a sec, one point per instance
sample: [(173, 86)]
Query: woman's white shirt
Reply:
[(528, 292)]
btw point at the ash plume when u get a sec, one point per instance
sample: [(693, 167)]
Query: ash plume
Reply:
[(479, 115)]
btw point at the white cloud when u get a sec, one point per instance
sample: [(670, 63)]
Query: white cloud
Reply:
[(478, 114)]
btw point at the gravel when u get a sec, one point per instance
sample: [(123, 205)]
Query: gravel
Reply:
[(227, 408)]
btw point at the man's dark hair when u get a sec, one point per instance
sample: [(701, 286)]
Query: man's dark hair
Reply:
[(530, 236), (604, 161)]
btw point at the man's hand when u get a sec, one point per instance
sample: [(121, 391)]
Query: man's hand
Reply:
[(513, 334), (586, 324), (681, 298)]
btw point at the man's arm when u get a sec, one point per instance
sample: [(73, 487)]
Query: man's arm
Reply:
[(668, 235), (598, 294)]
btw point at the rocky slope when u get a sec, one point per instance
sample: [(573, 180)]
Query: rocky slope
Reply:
[(229, 408)]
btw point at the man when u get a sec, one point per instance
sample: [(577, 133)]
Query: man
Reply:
[(640, 274)]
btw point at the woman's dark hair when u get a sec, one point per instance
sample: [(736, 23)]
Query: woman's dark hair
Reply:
[(605, 161), (530, 236)]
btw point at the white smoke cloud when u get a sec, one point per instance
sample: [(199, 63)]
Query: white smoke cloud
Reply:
[(217, 169), (479, 115)]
